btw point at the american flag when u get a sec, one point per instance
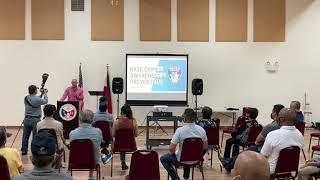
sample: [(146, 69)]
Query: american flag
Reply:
[(80, 77)]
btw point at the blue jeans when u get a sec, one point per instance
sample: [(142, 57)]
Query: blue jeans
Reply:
[(167, 162), (29, 125), (122, 156)]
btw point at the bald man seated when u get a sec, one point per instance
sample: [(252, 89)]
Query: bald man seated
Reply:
[(251, 166)]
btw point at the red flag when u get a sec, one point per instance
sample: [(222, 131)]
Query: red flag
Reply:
[(107, 92)]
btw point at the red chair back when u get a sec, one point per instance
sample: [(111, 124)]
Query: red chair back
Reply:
[(253, 134), (288, 161), (300, 126), (124, 141), (144, 166), (4, 169), (104, 126), (245, 111), (213, 134), (241, 120), (192, 150), (81, 155)]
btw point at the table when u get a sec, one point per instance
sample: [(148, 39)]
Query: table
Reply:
[(226, 113), (156, 142)]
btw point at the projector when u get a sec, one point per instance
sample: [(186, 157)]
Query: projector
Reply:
[(160, 108)]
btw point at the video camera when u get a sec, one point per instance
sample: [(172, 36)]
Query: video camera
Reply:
[(45, 77)]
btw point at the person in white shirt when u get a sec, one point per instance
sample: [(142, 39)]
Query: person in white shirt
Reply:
[(282, 138), (189, 130)]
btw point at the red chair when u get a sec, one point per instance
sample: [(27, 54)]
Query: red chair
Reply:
[(288, 162), (104, 126), (213, 138), (301, 126), (229, 130), (144, 166), (4, 169), (81, 157), (315, 148), (314, 135), (192, 151), (124, 141), (253, 134)]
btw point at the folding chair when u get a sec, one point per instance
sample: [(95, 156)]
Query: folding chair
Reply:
[(213, 138), (314, 135), (4, 169), (191, 155), (124, 141), (81, 157), (288, 162), (301, 126), (229, 130), (144, 166)]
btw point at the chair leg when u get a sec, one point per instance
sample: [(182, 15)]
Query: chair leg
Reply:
[(211, 157), (202, 172), (111, 167), (222, 138), (304, 155), (312, 154), (192, 172), (309, 143), (71, 172)]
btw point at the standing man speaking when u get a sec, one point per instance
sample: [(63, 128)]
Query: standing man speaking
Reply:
[(74, 93), (32, 104)]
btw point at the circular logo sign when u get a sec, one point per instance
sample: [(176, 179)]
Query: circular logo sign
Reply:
[(68, 112)]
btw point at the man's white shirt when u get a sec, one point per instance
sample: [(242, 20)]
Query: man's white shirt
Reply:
[(280, 139)]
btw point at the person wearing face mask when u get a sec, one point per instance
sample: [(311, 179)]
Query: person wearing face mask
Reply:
[(251, 166), (228, 163)]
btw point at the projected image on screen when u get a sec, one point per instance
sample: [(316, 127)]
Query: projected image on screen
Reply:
[(157, 79)]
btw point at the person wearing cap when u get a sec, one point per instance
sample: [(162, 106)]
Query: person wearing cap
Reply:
[(32, 115), (43, 148), (188, 130), (50, 123), (86, 131), (10, 154)]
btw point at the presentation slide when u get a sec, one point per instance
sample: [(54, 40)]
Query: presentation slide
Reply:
[(157, 79)]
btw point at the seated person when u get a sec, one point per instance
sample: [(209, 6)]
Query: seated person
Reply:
[(282, 138), (43, 148), (86, 131), (10, 154), (103, 115), (189, 130), (240, 135), (229, 162), (251, 166), (50, 123), (125, 121), (206, 121), (295, 105), (311, 167)]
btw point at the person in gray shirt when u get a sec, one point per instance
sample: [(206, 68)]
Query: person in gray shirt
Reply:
[(32, 116), (86, 131), (43, 148)]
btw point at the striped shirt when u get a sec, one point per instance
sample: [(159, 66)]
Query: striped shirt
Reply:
[(43, 174)]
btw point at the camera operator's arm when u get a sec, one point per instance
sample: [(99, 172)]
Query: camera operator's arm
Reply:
[(38, 100)]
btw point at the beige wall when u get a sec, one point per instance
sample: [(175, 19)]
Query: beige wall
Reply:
[(233, 73)]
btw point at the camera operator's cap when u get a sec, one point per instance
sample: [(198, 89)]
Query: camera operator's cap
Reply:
[(43, 144)]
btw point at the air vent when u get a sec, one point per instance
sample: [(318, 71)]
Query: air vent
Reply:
[(77, 5)]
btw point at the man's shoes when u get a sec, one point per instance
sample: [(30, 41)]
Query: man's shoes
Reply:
[(23, 153), (105, 158), (124, 166)]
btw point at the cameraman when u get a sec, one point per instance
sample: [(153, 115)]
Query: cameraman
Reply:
[(32, 104)]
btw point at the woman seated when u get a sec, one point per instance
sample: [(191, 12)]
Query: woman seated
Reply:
[(206, 121), (11, 155), (125, 121)]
